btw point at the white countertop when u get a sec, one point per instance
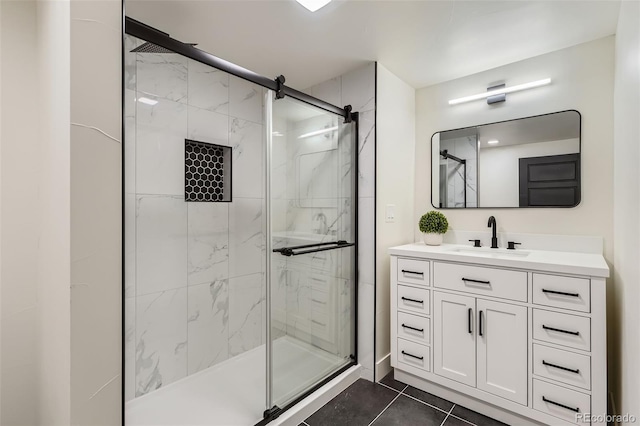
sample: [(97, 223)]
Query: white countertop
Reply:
[(539, 260)]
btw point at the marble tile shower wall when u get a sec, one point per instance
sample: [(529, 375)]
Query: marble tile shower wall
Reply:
[(194, 285), (358, 89), (464, 147)]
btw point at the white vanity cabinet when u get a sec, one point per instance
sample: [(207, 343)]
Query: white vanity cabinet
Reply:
[(520, 340)]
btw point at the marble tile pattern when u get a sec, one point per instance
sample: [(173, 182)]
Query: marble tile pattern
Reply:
[(194, 272)]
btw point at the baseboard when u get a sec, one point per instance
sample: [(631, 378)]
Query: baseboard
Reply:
[(296, 415), (383, 367), (366, 374)]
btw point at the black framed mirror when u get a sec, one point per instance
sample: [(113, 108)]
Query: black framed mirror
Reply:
[(522, 163)]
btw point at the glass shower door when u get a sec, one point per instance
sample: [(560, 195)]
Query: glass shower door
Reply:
[(311, 195)]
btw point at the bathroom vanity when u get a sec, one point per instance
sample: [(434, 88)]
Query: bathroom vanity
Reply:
[(518, 335)]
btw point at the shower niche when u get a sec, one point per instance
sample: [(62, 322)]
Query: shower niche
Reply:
[(207, 172)]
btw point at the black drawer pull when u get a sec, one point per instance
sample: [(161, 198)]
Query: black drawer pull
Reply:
[(476, 281), (559, 330), (469, 319), (412, 356), (412, 300), (544, 290), (577, 371), (575, 409), (412, 272), (421, 330), (480, 324)]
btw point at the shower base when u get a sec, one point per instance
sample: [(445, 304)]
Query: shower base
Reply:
[(233, 392)]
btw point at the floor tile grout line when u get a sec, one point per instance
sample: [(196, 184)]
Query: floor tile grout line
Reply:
[(389, 387), (448, 414), (464, 420), (388, 405), (425, 403)]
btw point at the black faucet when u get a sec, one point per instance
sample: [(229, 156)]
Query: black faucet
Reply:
[(494, 237)]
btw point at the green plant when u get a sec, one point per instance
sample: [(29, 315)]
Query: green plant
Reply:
[(433, 222)]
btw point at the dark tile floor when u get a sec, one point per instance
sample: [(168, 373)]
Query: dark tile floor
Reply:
[(395, 404)]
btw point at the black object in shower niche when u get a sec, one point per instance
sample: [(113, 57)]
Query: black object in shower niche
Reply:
[(207, 172)]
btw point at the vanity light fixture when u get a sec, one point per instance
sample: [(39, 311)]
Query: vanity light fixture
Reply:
[(501, 91), (318, 132), (147, 100), (493, 142), (313, 5)]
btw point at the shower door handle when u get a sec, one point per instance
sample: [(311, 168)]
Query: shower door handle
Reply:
[(312, 248)]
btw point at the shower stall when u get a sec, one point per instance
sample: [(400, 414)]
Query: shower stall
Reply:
[(239, 239)]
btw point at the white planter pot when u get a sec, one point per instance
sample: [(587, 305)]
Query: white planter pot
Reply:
[(432, 239)]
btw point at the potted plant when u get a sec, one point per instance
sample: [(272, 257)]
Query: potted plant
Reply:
[(433, 225)]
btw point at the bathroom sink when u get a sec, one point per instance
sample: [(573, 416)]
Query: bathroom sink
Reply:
[(489, 252)]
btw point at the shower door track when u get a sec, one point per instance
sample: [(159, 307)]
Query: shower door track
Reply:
[(147, 33), (150, 34)]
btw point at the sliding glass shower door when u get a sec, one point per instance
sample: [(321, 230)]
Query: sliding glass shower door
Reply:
[(311, 247)]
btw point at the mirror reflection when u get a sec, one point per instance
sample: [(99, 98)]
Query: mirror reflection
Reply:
[(528, 162)]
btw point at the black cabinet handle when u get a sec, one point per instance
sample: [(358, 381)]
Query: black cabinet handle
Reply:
[(559, 330), (412, 272), (412, 300), (544, 290), (577, 371), (412, 356), (475, 281), (421, 330), (575, 409), (469, 320), (480, 324)]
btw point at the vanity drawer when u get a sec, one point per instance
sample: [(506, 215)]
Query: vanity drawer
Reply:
[(413, 299), (562, 329), (563, 366), (559, 401), (413, 327), (502, 283), (414, 354), (412, 271), (562, 292)]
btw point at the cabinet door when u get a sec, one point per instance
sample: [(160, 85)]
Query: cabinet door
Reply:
[(502, 350), (454, 344)]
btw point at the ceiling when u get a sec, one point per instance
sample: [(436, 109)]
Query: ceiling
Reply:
[(422, 42)]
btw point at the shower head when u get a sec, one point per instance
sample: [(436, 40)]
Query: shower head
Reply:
[(151, 48), (154, 48)]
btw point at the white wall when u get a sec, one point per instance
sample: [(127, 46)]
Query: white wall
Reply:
[(20, 212), (61, 323), (499, 178), (582, 79), (627, 209), (96, 282), (395, 148), (53, 354)]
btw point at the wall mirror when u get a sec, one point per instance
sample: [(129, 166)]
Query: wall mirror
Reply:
[(527, 162)]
